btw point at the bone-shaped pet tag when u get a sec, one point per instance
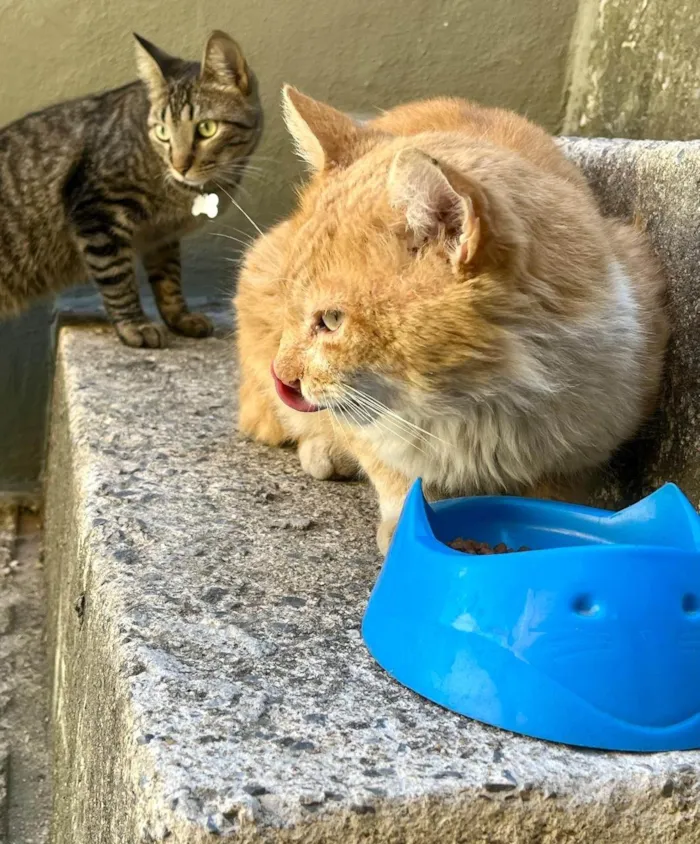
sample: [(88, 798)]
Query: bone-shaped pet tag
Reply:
[(206, 203)]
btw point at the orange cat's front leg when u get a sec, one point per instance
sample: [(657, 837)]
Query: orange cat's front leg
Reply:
[(323, 454), (259, 316), (257, 417), (392, 488)]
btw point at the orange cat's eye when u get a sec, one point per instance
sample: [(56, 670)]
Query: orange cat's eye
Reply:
[(330, 320)]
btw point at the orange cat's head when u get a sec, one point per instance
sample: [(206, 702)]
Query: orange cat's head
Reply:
[(404, 270)]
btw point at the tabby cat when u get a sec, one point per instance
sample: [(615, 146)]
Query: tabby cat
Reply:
[(451, 299), (90, 185)]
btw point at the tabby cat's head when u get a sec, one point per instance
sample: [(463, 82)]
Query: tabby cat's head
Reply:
[(204, 119)]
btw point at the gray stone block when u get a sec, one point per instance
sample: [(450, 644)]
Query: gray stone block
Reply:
[(4, 768), (659, 183), (206, 598), (24, 757)]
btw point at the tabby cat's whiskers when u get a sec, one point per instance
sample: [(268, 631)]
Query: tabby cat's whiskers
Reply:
[(250, 237), (245, 214), (230, 237)]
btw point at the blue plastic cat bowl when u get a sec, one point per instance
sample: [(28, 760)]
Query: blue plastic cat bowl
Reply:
[(592, 638)]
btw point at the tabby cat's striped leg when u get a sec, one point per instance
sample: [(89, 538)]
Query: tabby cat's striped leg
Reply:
[(163, 268), (111, 263)]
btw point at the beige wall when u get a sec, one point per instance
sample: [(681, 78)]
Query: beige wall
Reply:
[(361, 55)]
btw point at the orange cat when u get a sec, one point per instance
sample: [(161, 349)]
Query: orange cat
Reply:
[(450, 298)]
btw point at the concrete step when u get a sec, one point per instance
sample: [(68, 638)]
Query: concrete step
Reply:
[(205, 604), (25, 795)]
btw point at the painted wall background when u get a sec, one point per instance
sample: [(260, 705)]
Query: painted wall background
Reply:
[(361, 56)]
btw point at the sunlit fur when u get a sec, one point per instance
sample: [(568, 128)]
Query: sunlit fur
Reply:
[(499, 335)]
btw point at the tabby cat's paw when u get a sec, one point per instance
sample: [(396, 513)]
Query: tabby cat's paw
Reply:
[(192, 325), (322, 461), (142, 335)]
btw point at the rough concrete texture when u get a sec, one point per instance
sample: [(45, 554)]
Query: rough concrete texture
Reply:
[(209, 674), (634, 70), (4, 763), (8, 524), (657, 183), (24, 757)]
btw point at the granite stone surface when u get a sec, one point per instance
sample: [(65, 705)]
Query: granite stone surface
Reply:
[(25, 798), (4, 765), (659, 184), (206, 597)]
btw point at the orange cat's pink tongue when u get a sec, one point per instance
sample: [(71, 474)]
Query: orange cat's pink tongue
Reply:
[(292, 397)]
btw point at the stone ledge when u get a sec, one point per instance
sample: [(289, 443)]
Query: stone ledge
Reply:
[(4, 766), (206, 599), (659, 183)]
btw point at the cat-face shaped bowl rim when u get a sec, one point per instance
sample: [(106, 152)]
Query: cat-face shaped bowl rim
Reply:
[(592, 638)]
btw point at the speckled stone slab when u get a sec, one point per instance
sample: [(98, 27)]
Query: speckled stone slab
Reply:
[(206, 597), (658, 182), (4, 765)]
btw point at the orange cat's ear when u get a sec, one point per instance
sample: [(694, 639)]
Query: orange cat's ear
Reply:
[(433, 208), (324, 137)]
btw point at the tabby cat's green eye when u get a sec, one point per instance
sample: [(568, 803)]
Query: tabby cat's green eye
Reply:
[(162, 132), (207, 128)]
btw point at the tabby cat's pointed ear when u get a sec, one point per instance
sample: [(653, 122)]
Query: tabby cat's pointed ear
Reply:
[(433, 208), (224, 63), (324, 137), (152, 64)]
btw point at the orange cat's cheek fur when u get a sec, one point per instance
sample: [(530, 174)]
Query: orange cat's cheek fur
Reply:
[(499, 335), (260, 313)]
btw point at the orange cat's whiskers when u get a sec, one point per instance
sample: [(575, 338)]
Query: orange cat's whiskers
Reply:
[(379, 407), (377, 415), (386, 424), (392, 430), (340, 422), (359, 413)]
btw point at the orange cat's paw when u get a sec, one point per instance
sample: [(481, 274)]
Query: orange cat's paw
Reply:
[(321, 459)]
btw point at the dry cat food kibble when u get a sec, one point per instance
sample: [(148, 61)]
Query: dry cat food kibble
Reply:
[(471, 546)]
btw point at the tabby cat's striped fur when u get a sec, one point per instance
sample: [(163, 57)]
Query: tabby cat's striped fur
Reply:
[(88, 186)]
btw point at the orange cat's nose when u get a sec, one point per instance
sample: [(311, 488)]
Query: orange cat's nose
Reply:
[(294, 384), (290, 393)]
